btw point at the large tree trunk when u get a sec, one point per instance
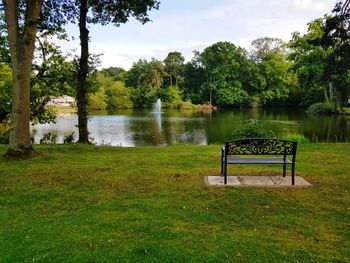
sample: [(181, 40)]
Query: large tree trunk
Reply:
[(22, 44), (82, 75)]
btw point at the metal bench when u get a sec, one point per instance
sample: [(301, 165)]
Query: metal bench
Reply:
[(236, 151)]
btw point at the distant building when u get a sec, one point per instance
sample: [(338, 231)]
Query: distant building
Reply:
[(63, 101)]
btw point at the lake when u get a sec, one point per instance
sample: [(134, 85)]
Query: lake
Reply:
[(144, 127)]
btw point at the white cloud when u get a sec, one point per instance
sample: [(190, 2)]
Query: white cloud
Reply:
[(185, 25)]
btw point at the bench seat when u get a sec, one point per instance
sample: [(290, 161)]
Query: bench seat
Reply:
[(235, 160)]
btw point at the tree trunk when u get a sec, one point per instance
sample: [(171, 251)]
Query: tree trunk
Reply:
[(22, 44), (326, 94), (335, 98), (331, 91), (82, 75)]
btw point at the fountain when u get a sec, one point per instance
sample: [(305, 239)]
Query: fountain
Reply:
[(157, 111), (157, 106)]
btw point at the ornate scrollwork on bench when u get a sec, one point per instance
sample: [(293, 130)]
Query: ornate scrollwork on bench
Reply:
[(259, 146), (230, 153)]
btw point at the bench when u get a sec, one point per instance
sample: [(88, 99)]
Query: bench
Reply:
[(277, 150)]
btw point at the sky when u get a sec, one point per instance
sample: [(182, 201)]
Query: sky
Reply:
[(188, 25)]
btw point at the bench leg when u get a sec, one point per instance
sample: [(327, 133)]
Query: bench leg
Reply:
[(293, 178), (284, 169), (225, 174), (222, 167)]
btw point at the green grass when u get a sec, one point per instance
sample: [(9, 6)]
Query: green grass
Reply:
[(74, 203)]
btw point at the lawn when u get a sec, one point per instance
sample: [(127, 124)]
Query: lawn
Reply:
[(74, 203)]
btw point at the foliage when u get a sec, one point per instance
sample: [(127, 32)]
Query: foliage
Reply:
[(97, 101), (337, 37), (194, 78), (4, 133), (322, 61), (321, 108), (5, 91), (171, 98), (232, 96), (116, 73), (255, 129), (300, 138), (223, 63), (49, 138), (145, 78), (69, 137), (118, 96), (264, 47), (174, 66)]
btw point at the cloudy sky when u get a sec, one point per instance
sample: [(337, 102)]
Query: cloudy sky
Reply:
[(187, 25)]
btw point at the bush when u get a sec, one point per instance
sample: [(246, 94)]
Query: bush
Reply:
[(300, 138), (4, 133), (33, 133), (49, 137), (320, 108), (255, 129), (69, 137)]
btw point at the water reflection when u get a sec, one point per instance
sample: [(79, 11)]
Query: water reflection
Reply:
[(142, 127)]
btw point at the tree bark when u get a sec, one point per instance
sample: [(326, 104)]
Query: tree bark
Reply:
[(22, 44), (82, 75), (326, 94)]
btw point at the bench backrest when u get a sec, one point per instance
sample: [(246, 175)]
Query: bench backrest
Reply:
[(260, 146)]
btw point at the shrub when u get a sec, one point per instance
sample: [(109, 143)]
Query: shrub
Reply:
[(320, 108), (69, 137), (300, 138), (33, 133), (49, 137), (255, 129), (187, 105), (4, 133)]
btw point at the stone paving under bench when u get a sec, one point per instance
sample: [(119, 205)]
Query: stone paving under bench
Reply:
[(257, 181)]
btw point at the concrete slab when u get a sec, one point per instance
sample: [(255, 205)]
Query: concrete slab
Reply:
[(219, 180), (257, 181)]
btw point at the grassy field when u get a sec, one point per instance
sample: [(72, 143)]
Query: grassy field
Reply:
[(109, 204)]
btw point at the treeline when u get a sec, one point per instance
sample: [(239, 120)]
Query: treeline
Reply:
[(222, 75), (311, 68)]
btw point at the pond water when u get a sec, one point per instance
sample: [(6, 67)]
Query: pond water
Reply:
[(145, 127)]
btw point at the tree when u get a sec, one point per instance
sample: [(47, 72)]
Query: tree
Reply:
[(146, 79), (223, 63), (194, 79), (263, 47), (53, 75), (337, 37), (310, 62), (23, 19), (103, 12), (22, 43), (322, 62), (173, 66), (117, 73), (273, 74)]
